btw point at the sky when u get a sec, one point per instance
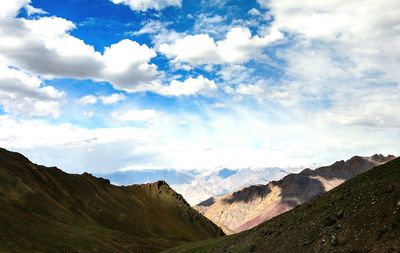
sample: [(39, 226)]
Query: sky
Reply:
[(111, 85)]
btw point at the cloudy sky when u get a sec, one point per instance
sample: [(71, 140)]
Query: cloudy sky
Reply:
[(106, 85)]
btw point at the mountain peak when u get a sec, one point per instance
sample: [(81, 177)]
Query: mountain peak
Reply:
[(160, 183), (380, 158)]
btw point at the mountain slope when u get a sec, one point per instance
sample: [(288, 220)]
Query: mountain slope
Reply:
[(46, 210), (253, 205), (361, 215)]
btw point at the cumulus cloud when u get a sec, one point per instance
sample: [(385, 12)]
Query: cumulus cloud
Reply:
[(239, 46), (190, 86), (126, 72), (44, 46), (26, 95), (88, 100), (339, 61), (360, 37), (144, 5), (112, 99), (107, 100), (34, 11), (10, 8)]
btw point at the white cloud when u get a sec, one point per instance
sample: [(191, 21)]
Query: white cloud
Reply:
[(88, 100), (136, 115), (151, 27), (112, 99), (191, 86), (254, 12), (159, 32), (239, 46), (126, 65), (32, 10), (236, 137), (107, 100), (339, 61), (211, 24), (234, 73), (315, 66), (10, 8), (352, 29), (374, 106), (26, 95), (78, 149), (144, 5), (45, 47)]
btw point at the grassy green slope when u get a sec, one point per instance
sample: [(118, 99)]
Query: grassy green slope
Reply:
[(361, 215), (46, 210)]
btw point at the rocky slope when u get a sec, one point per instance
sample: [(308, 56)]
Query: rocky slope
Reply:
[(361, 215), (253, 205), (46, 210)]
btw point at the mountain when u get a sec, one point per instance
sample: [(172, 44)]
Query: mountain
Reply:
[(222, 181), (198, 185), (244, 209), (361, 215), (46, 210)]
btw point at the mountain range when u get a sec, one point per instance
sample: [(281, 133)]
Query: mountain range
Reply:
[(47, 210), (246, 208), (349, 206), (360, 215), (222, 181), (198, 185)]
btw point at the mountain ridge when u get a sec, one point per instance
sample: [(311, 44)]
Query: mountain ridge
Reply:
[(360, 215), (252, 205), (47, 210)]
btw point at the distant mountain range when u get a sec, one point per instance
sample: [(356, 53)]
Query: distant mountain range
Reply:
[(360, 215), (226, 180), (46, 210), (246, 208), (195, 185)]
